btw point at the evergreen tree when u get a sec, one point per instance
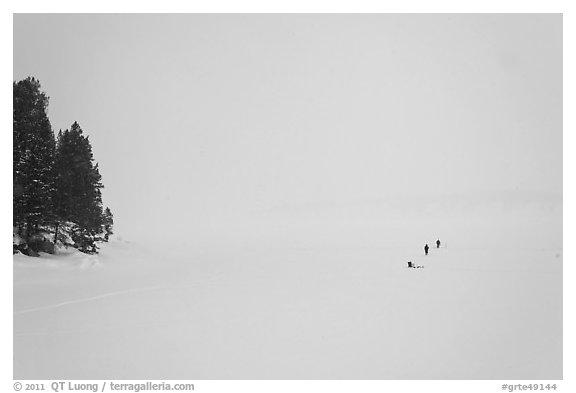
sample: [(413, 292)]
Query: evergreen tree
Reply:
[(77, 195), (33, 152), (56, 183), (108, 221)]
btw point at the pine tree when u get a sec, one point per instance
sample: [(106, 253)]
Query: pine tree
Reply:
[(77, 195), (108, 221), (33, 151)]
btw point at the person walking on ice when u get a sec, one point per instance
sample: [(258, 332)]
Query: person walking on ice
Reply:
[(438, 243), (426, 249)]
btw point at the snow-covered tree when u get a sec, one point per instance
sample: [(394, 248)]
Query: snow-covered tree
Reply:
[(108, 221), (77, 195), (56, 182), (33, 153)]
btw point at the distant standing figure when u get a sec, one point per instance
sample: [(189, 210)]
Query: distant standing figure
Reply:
[(426, 248), (438, 243)]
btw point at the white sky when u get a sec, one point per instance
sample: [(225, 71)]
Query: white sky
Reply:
[(193, 117)]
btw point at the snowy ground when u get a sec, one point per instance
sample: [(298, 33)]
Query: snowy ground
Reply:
[(307, 301)]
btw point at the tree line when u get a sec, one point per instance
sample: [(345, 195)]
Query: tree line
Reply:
[(57, 199)]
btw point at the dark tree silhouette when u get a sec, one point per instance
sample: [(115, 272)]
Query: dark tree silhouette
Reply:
[(77, 195), (33, 153), (56, 182), (108, 220)]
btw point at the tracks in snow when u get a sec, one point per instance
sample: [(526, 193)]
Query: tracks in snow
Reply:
[(87, 299)]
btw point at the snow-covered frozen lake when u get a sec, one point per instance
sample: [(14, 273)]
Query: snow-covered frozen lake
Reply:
[(303, 301)]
